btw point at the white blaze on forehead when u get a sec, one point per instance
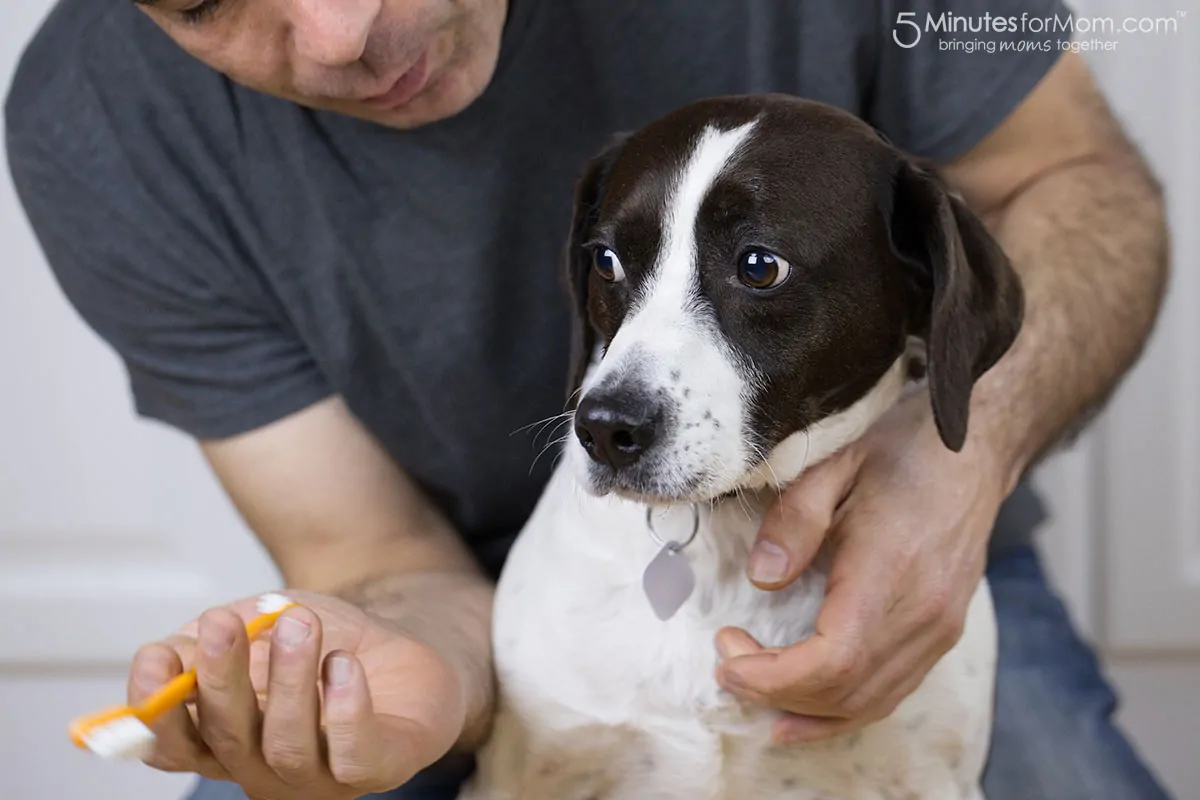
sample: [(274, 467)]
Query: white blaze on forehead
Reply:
[(666, 298), (676, 267), (672, 342)]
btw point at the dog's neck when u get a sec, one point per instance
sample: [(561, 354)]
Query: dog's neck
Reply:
[(804, 450), (729, 524)]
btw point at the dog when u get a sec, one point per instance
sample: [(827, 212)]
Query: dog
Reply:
[(756, 279)]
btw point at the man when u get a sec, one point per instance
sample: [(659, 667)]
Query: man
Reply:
[(324, 236)]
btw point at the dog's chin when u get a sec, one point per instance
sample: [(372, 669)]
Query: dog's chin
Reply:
[(661, 485)]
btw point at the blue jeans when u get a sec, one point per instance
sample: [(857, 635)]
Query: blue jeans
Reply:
[(1054, 734)]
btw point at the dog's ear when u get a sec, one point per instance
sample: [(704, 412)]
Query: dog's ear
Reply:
[(589, 193), (971, 302)]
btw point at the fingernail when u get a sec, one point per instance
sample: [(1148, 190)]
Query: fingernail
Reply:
[(768, 562), (291, 632), (215, 641), (340, 671)]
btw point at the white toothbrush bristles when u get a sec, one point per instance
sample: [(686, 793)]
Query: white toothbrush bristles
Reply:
[(125, 738), (271, 602)]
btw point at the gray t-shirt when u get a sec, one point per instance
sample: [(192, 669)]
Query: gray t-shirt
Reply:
[(247, 257)]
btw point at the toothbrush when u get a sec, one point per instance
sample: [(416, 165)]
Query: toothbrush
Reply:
[(123, 732)]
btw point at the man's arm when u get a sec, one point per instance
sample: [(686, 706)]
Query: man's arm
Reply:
[(1082, 218), (340, 702), (339, 517)]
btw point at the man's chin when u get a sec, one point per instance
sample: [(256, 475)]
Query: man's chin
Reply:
[(448, 93)]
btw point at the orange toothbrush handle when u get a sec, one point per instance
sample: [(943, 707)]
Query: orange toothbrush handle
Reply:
[(177, 690), (166, 698), (263, 621)]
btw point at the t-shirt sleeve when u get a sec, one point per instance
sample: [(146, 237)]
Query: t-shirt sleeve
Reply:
[(153, 280), (950, 71)]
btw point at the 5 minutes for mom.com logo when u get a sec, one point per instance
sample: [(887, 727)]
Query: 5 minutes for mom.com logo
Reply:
[(909, 28)]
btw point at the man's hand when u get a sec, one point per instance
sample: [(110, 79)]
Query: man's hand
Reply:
[(332, 704), (1080, 215), (908, 522)]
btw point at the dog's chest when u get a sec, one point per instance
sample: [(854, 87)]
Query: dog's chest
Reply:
[(602, 700)]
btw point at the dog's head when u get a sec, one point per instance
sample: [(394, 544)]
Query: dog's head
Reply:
[(747, 271)]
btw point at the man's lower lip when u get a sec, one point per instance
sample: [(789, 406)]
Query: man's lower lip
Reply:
[(406, 88)]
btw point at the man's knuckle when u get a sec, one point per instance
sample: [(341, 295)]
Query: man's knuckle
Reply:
[(937, 606), (288, 760), (285, 689), (845, 664), (226, 745), (353, 772), (855, 706), (216, 681)]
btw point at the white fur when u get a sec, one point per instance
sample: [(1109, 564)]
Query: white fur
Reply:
[(598, 699)]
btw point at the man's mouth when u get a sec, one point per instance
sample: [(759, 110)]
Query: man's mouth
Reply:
[(406, 87)]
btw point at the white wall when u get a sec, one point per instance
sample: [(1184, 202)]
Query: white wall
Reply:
[(112, 532)]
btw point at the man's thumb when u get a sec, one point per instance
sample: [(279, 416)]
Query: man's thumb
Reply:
[(796, 524)]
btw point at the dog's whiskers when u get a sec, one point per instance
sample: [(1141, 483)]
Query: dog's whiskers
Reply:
[(549, 445), (765, 461), (738, 491), (543, 423), (571, 398)]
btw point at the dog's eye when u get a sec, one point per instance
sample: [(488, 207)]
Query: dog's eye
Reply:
[(759, 269), (607, 264)]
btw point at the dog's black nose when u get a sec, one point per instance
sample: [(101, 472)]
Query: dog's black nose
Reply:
[(616, 428)]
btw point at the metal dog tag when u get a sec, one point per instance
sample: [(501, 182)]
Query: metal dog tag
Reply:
[(668, 581)]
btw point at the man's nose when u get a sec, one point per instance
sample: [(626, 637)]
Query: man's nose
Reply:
[(617, 426), (332, 33)]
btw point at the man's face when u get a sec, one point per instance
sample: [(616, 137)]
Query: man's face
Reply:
[(401, 63)]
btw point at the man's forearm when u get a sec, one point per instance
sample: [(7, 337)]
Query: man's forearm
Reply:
[(1090, 242), (451, 612)]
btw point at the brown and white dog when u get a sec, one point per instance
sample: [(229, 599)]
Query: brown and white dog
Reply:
[(757, 280)]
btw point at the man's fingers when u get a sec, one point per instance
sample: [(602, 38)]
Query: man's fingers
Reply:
[(877, 701), (809, 669), (851, 665), (226, 706), (826, 666), (735, 642), (797, 523), (357, 756), (877, 694), (291, 722), (178, 747)]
